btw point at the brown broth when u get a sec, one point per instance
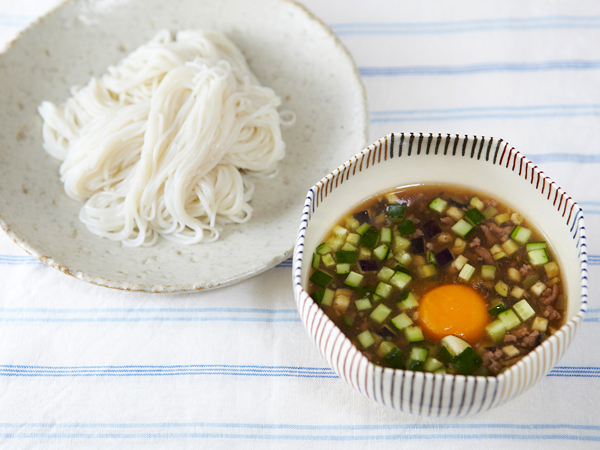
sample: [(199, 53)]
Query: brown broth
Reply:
[(496, 354)]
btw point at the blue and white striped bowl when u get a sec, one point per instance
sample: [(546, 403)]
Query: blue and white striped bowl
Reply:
[(487, 165)]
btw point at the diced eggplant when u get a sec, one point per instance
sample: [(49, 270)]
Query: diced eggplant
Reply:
[(444, 257), (368, 265), (431, 228), (417, 245), (362, 216)]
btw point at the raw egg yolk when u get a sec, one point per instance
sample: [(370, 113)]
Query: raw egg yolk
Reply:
[(453, 309)]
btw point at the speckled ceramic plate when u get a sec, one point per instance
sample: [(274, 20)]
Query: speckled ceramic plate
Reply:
[(286, 47)]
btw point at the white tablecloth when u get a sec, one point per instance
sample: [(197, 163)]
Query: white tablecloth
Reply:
[(88, 367)]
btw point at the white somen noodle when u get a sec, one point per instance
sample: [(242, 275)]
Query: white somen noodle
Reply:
[(164, 143)]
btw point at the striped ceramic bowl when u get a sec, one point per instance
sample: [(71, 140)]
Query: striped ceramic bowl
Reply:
[(487, 165)]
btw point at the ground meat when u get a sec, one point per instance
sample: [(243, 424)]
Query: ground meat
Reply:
[(521, 332), (510, 338), (447, 220), (489, 237), (551, 313), (501, 232), (491, 202), (476, 242), (549, 296), (532, 340), (485, 254), (526, 270), (429, 245), (491, 360), (416, 234)]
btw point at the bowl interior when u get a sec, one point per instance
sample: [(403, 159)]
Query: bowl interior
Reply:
[(364, 177)]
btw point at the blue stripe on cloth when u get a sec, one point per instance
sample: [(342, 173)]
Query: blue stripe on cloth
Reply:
[(468, 26), (468, 69), (300, 437), (292, 426), (11, 370), (486, 112)]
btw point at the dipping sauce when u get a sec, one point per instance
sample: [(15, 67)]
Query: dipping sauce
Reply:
[(439, 278)]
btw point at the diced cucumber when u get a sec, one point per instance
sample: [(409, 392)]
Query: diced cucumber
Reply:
[(406, 227), (511, 351), (380, 313), (341, 300), (462, 227), (418, 356), (496, 331), (489, 212), (501, 218), (514, 274), (488, 272), (328, 260), (403, 257), (520, 235), (384, 348), (394, 358), (353, 239), (438, 204), (552, 269), (475, 216), (363, 304), (540, 324), (426, 271), (467, 362), (523, 310), (432, 364), (352, 223), (340, 232), (353, 279), (400, 243), (321, 278), (510, 246), (400, 279), (466, 272), (414, 334), (454, 345), (348, 320), (530, 280), (497, 309), (383, 290), (535, 245), (348, 247), (386, 236), (323, 249), (328, 297), (381, 252), (401, 321), (316, 260), (342, 269), (385, 274), (369, 239), (497, 252), (459, 262), (501, 288), (364, 291), (538, 257), (363, 229), (317, 296), (344, 257), (334, 243), (363, 253), (366, 339), (476, 203), (395, 212), (509, 319), (407, 301)]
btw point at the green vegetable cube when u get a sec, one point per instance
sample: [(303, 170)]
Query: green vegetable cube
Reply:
[(380, 313)]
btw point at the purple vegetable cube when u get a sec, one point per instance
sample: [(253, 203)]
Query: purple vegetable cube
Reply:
[(368, 265), (417, 245), (432, 228), (444, 257), (362, 216)]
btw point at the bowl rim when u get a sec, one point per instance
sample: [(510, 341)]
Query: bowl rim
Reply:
[(506, 155)]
